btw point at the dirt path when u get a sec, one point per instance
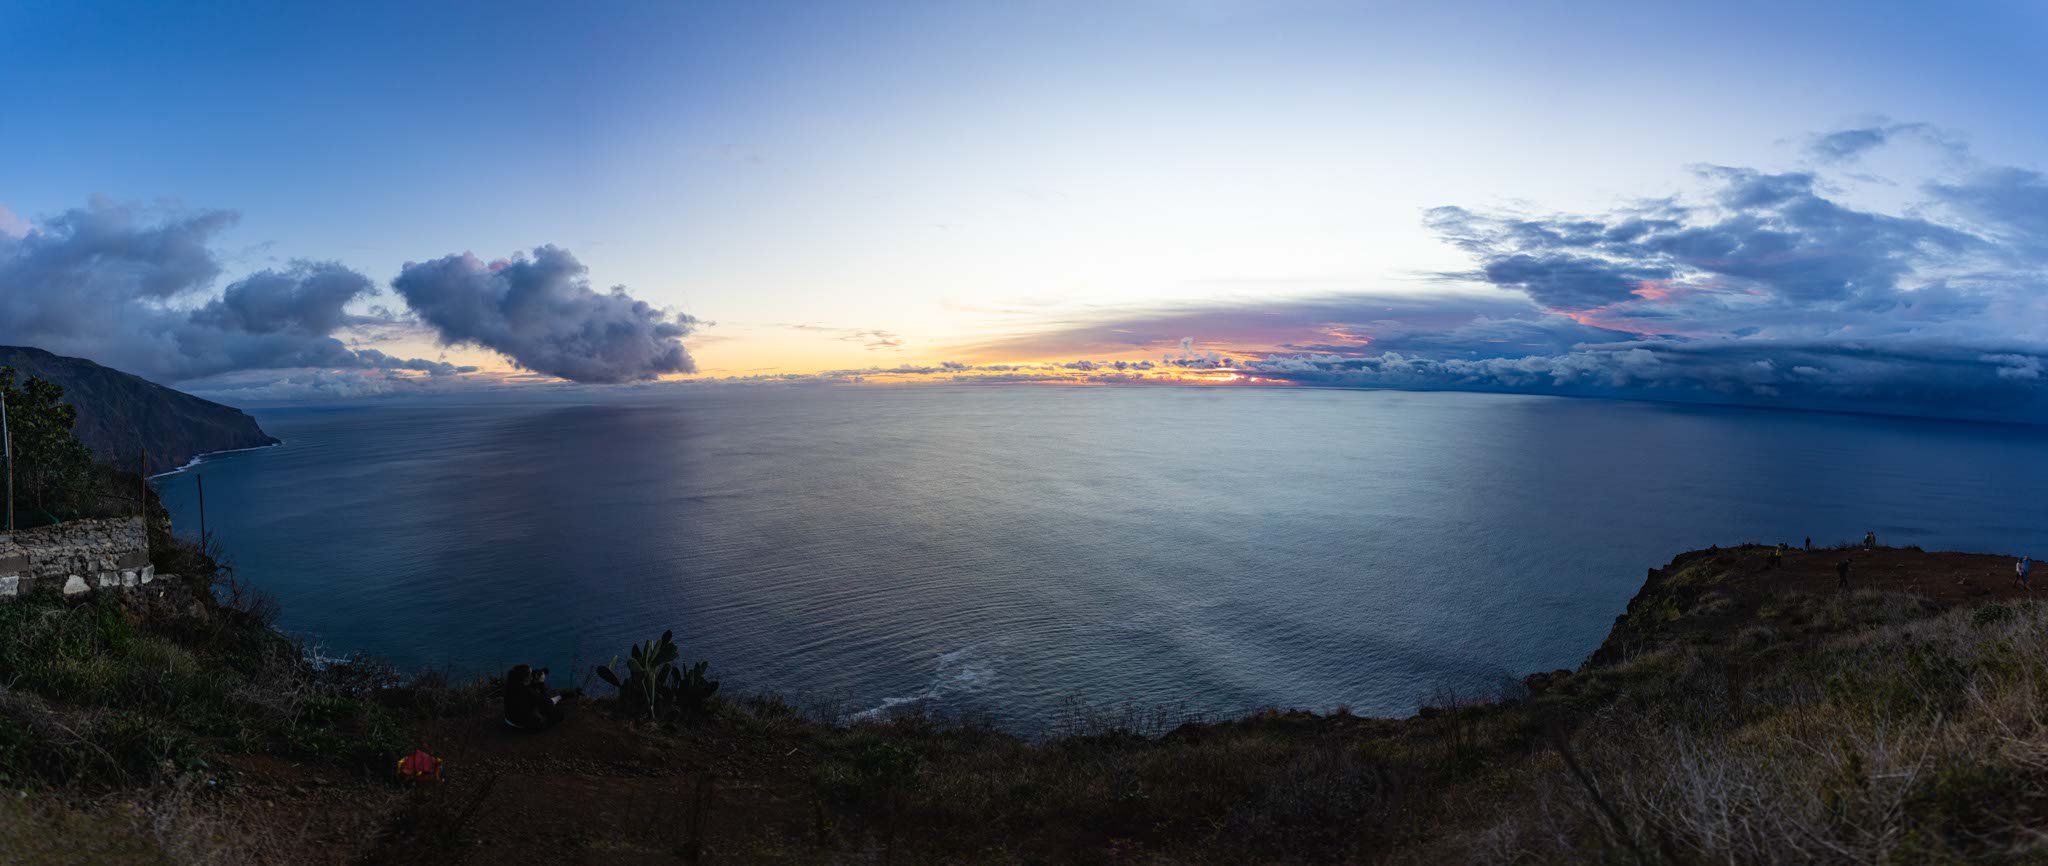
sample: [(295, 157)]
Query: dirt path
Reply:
[(1947, 579)]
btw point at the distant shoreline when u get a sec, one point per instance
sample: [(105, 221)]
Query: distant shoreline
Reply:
[(198, 457)]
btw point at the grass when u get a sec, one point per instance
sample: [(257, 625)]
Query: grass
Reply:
[(159, 698), (125, 703)]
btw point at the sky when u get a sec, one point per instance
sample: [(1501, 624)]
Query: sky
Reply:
[(1830, 206)]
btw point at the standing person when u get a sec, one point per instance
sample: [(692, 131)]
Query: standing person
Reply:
[(1809, 544), (2021, 568), (1869, 541), (1777, 556), (1842, 574)]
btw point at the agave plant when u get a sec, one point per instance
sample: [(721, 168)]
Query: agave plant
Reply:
[(653, 682)]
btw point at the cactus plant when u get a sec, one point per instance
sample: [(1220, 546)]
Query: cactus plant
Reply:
[(654, 683), (689, 689)]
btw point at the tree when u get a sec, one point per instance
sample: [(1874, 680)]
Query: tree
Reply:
[(53, 471)]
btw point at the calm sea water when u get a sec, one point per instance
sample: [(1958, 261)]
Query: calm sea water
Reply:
[(1000, 549)]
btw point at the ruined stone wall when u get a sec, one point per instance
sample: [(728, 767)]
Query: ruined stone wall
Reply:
[(76, 557)]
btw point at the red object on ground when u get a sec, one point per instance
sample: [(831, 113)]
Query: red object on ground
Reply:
[(419, 767)]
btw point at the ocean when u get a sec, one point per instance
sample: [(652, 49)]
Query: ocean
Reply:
[(1009, 551)]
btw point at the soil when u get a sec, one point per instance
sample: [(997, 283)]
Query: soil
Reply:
[(599, 789)]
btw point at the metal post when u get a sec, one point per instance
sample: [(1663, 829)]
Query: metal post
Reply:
[(201, 481), (7, 446)]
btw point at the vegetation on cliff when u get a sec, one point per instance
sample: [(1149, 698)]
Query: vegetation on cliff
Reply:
[(1737, 713), (51, 471)]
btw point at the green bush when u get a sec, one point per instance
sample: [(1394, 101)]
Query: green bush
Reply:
[(17, 748), (147, 747), (1991, 613), (161, 686)]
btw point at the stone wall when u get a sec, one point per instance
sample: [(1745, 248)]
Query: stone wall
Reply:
[(75, 557)]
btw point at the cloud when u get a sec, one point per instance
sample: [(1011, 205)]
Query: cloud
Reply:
[(309, 298), (374, 359), (1767, 233), (1896, 377), (1255, 325), (542, 314), (288, 385), (114, 283), (1764, 287), (871, 338), (128, 287), (1753, 285), (1850, 144), (2009, 204), (11, 224), (1777, 286)]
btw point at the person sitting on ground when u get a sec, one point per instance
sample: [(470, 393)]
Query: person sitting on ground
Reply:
[(528, 706)]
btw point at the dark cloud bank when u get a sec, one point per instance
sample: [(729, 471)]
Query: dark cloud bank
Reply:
[(124, 287), (1764, 288)]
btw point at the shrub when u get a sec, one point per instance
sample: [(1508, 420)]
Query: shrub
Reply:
[(1991, 613), (147, 747)]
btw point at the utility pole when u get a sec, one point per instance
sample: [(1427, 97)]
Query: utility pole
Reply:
[(7, 446)]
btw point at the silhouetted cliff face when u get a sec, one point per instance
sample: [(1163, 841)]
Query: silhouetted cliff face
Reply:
[(120, 414)]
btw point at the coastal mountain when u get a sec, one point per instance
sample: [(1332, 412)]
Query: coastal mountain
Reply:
[(120, 414)]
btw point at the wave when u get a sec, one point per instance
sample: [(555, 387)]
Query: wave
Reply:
[(962, 670), (195, 460)]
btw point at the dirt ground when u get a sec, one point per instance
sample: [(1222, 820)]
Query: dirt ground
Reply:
[(1947, 579), (597, 789), (593, 790)]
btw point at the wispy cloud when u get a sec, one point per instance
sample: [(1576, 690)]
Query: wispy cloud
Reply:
[(869, 338)]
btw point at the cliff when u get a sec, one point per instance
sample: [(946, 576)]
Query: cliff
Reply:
[(120, 414)]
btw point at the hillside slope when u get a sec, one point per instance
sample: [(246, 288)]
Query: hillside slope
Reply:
[(120, 414), (1739, 712)]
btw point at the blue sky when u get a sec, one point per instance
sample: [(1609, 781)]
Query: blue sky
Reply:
[(809, 189)]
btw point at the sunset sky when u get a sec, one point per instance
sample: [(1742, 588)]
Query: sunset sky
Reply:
[(1829, 205)]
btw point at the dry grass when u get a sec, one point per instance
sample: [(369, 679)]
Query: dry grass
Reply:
[(1904, 741)]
